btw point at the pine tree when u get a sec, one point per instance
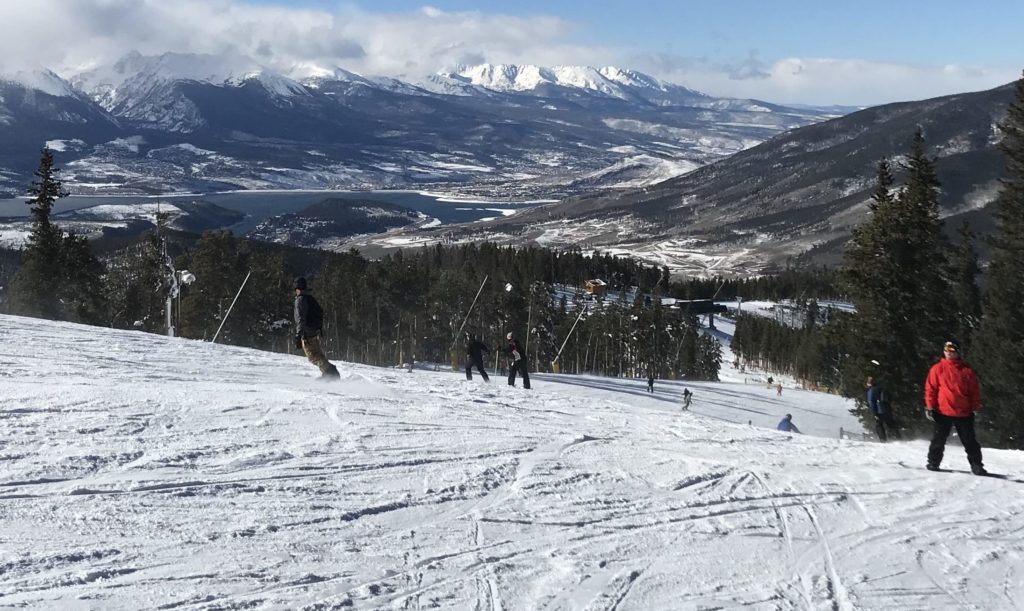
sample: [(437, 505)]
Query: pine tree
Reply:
[(35, 284), (964, 288), (81, 291), (896, 272), (998, 351)]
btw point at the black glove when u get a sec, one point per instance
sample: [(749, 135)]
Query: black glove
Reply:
[(298, 342), (929, 414)]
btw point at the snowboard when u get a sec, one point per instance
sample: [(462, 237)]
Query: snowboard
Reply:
[(960, 471)]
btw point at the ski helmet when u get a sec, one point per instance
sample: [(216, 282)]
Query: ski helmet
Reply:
[(509, 336), (300, 283)]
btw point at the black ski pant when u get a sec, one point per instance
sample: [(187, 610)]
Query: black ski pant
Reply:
[(519, 366), (479, 364), (964, 429), (886, 426)]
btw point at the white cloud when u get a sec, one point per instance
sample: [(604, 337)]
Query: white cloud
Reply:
[(85, 33), (72, 35), (826, 81)]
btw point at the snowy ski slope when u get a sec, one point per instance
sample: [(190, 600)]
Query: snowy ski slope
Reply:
[(141, 472)]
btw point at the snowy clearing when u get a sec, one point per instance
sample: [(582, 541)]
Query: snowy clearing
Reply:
[(147, 472)]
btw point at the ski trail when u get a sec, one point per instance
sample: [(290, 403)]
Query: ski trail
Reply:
[(611, 599), (919, 558), (842, 594), (787, 535)]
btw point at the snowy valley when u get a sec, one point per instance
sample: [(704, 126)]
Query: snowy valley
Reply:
[(146, 472)]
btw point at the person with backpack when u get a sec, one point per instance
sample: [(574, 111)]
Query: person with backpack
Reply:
[(309, 322), (518, 356), (878, 401), (687, 397), (475, 350), (951, 396)]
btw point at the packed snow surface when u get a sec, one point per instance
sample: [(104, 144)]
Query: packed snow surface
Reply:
[(146, 472)]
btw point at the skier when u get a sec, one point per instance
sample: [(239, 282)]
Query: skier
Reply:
[(650, 382), (778, 389), (687, 396), (309, 319), (878, 401), (518, 356), (474, 357), (951, 396), (786, 424)]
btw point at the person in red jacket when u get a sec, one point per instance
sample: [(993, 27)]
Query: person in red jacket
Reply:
[(951, 397)]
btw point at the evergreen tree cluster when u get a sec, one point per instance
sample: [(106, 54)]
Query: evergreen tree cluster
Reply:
[(813, 352), (410, 306), (898, 274), (913, 291), (998, 344), (59, 278)]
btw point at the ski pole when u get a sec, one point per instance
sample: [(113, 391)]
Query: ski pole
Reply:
[(214, 340), (582, 312), (466, 319)]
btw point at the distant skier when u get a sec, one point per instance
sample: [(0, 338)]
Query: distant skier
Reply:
[(786, 424), (309, 320), (518, 356), (778, 389), (475, 350), (878, 401), (951, 396), (650, 382)]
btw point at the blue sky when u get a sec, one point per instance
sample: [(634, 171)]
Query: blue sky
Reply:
[(986, 32), (859, 52)]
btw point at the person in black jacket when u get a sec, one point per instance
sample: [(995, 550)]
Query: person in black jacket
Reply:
[(878, 401), (518, 356), (475, 350), (309, 321)]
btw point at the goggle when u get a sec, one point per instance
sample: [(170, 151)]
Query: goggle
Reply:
[(950, 347)]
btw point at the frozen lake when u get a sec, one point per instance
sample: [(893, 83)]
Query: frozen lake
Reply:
[(260, 205)]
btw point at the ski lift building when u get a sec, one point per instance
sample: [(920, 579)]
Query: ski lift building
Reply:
[(596, 287)]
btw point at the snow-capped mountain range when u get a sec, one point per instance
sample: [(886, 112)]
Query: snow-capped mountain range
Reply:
[(504, 130), (608, 81)]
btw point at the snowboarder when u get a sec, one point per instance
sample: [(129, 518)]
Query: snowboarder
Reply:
[(786, 424), (475, 357), (518, 356), (951, 396), (878, 401), (687, 396), (309, 320), (650, 382)]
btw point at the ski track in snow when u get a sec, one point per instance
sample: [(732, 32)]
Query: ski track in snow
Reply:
[(138, 471)]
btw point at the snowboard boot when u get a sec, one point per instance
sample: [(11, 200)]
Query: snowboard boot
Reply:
[(932, 467), (977, 469)]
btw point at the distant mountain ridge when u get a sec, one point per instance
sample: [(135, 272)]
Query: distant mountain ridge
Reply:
[(796, 196), (213, 122)]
